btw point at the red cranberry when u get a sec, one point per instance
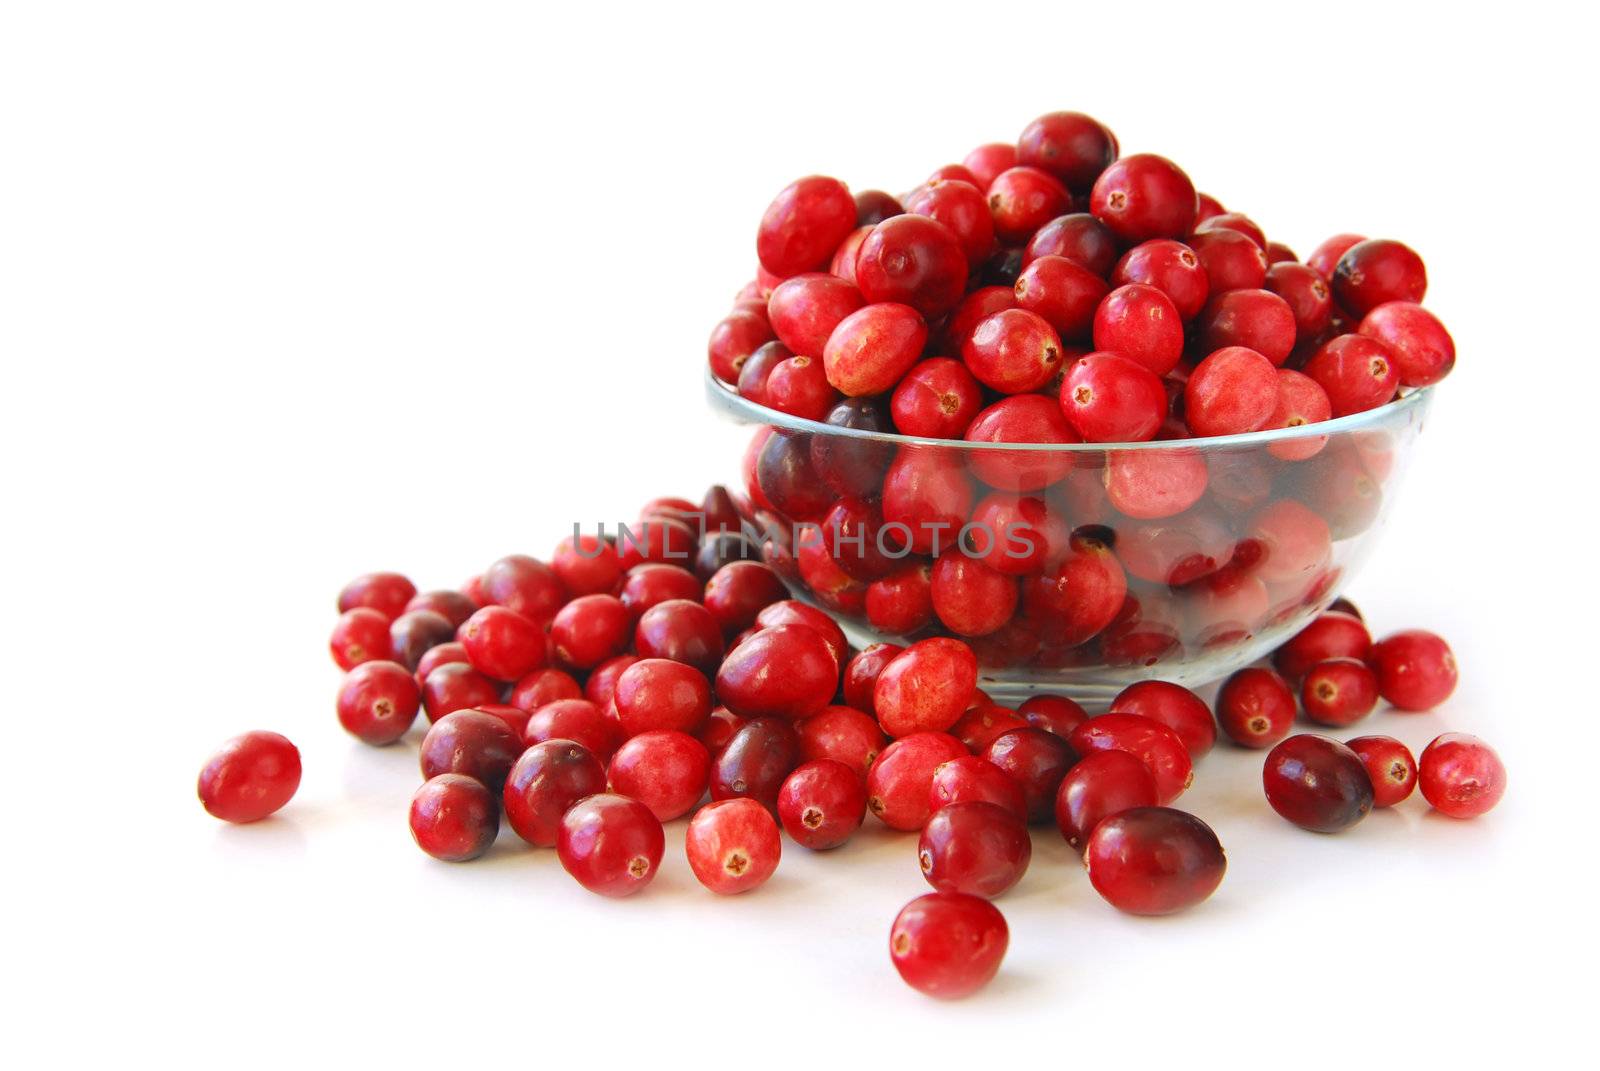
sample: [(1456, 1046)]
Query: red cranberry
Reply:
[(1295, 542), (900, 780), (1154, 860), (387, 593), (852, 465), (612, 845), (545, 781), (1069, 145), (751, 685), (665, 770), (960, 207), (1023, 199), (360, 635), (854, 535), (453, 606), (822, 803), (655, 539), (948, 944), (843, 734), (1461, 776), (973, 778), (926, 687), (875, 206), (653, 584), (756, 762), (502, 644), (1144, 196), (830, 585), (902, 603), (1078, 598), (1420, 346), (976, 848), (1013, 351), (1233, 221), (719, 730), (738, 591), (1151, 484), (602, 683), (970, 598), (454, 818), (1325, 257), (1053, 713), (589, 630), (805, 309), (1416, 669), (1232, 391), (927, 490), (1160, 748), (456, 686), (657, 693), (735, 338), (1390, 768), (1109, 398), (1209, 207), (861, 674), (1331, 635), (543, 686), (1317, 783), (757, 370), (586, 565), (987, 161), (515, 717), (1255, 708), (438, 656), (1017, 535), (378, 702), (1065, 294), (1037, 760), (1174, 706), (251, 776), (982, 723), (1358, 373), (1170, 267), (1231, 260), (953, 173), (723, 548), (525, 585), (794, 612), (1256, 319), (682, 631), (1376, 271), (1023, 418), (1307, 295), (1142, 324), (1301, 401), (799, 387), (915, 260), (471, 742), (1078, 237), (733, 846), (803, 225), (937, 399), (413, 634), (1097, 787), (1340, 691), (975, 308), (873, 347)]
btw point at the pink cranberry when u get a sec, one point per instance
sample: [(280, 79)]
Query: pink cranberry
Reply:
[(822, 803), (873, 347), (1064, 293), (1376, 271), (525, 585), (1174, 706), (1144, 196), (1255, 708), (1053, 713), (1256, 319), (1097, 787), (612, 845), (1357, 372), (750, 683), (1151, 484), (1023, 199), (1023, 418), (1231, 260), (1037, 761), (1317, 783), (665, 770), (544, 783), (378, 701), (474, 743), (973, 778), (1331, 635), (1142, 324), (733, 846), (1154, 860), (387, 593), (937, 399), (250, 777), (925, 688), (456, 686), (1301, 401), (1461, 776), (658, 693), (1340, 691), (454, 817), (1170, 267), (903, 603), (804, 224), (914, 260), (899, 782), (1109, 398), (1418, 343), (1160, 748), (360, 635), (1416, 669), (756, 761), (1390, 767), (1307, 295), (975, 848), (947, 944), (1013, 351)]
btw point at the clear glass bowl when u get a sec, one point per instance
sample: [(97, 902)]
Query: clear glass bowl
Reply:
[(1072, 569)]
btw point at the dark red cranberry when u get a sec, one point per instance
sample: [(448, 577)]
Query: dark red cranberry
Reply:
[(1390, 767), (1358, 373), (1422, 349), (1013, 351), (803, 225), (474, 743), (502, 644), (1257, 319), (1255, 708), (723, 548), (752, 683), (903, 603), (602, 683), (413, 634), (656, 539), (875, 206), (1233, 221), (822, 804), (1023, 199), (658, 693), (378, 701), (1142, 324), (680, 630), (852, 465), (612, 845), (653, 584), (1037, 760), (1160, 748), (1231, 260), (525, 585), (386, 593), (1065, 294), (948, 944), (914, 260), (1053, 713), (1376, 271), (733, 846), (1317, 783), (361, 635), (1307, 295), (1174, 706), (1109, 398), (976, 848), (251, 776), (901, 778), (757, 369), (874, 346), (854, 535), (545, 781), (1461, 776), (454, 817), (1078, 237), (665, 770), (843, 734), (756, 762), (1070, 145), (925, 688), (861, 674), (456, 686), (1097, 787), (1144, 196), (454, 606), (987, 161), (1154, 860), (1340, 691), (1416, 669), (973, 778), (1325, 258), (735, 338)]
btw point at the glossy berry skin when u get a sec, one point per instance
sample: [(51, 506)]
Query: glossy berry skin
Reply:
[(1078, 237), (1390, 767), (524, 584), (787, 671), (1422, 349), (586, 565), (1154, 860), (873, 347), (438, 656), (665, 770), (822, 803), (733, 846), (1376, 271), (544, 782), (795, 612), (1325, 257), (843, 734), (474, 743), (1233, 391), (1013, 351), (416, 632), (456, 686), (1053, 713), (1097, 787), (899, 782), (1317, 783), (577, 720), (925, 688), (1142, 324), (1023, 199), (902, 603), (1461, 776), (1079, 597), (739, 591), (937, 399), (987, 161), (983, 722), (1306, 293), (1255, 708), (1037, 761), (734, 341), (658, 693), (1021, 418), (974, 779), (924, 488), (453, 606), (1161, 749), (1108, 398), (1144, 196), (1301, 401), (756, 761), (1340, 691), (360, 635), (378, 701), (653, 583), (1357, 372), (1331, 634), (544, 686), (913, 260), (976, 848), (804, 310), (804, 224), (683, 631), (861, 674), (1170, 267), (875, 206), (1174, 706), (454, 817), (948, 945), (1069, 145), (970, 598), (1065, 294), (960, 206), (1416, 669), (612, 845), (1231, 260), (502, 644), (1258, 320), (387, 593), (251, 776)]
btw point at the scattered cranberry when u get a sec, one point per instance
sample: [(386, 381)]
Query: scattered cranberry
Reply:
[(1141, 323), (1376, 271), (1358, 373), (1174, 706), (873, 347), (1037, 760), (843, 734), (1317, 783), (1255, 708), (471, 742), (1144, 196), (733, 846), (378, 701), (926, 687), (456, 686), (415, 633), (947, 944), (1013, 351), (976, 848), (658, 693), (525, 585), (1416, 669), (453, 606), (438, 656), (1340, 691), (1421, 348), (1461, 776), (973, 778), (612, 845), (751, 684), (360, 635), (665, 770), (387, 593), (1097, 787), (899, 782), (1109, 398), (544, 782), (1154, 860), (1053, 713), (1023, 199), (822, 803), (454, 817), (1160, 748), (1232, 391), (1390, 767), (803, 224), (251, 776), (756, 761)]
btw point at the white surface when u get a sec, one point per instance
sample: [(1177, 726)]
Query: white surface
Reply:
[(293, 291)]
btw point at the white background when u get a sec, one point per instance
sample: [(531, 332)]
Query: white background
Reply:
[(292, 291)]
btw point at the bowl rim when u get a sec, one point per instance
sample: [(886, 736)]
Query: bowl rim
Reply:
[(1410, 405)]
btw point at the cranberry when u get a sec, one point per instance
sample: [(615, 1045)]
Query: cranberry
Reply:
[(1142, 634), (1175, 552), (1078, 237), (602, 682), (1257, 319), (960, 207), (378, 701), (1231, 260), (1345, 606), (1154, 860), (1209, 206), (1418, 343), (586, 565), (387, 593), (1232, 391), (854, 535), (1340, 691), (875, 206), (843, 734), (1233, 221), (822, 803), (805, 309), (1037, 760), (1069, 145), (545, 781), (360, 635), (1170, 267), (799, 386), (589, 630), (1174, 706), (1390, 768), (756, 761), (413, 634), (976, 848), (973, 778), (900, 779), (251, 776), (948, 944), (653, 584), (861, 674), (1017, 535), (1113, 398), (543, 686), (1152, 742), (502, 644), (1317, 783), (655, 539), (902, 603), (953, 173), (1063, 293), (682, 631), (854, 465), (873, 347), (1325, 257), (612, 845), (1376, 271), (1293, 541), (1023, 199), (438, 656), (738, 591), (1013, 351), (970, 598), (1307, 295), (665, 770), (830, 585), (515, 717), (757, 370), (724, 548), (1097, 787), (453, 606), (1416, 669), (454, 817), (987, 161), (975, 308), (1359, 373), (804, 223), (1144, 196), (1338, 486), (1255, 708), (1332, 635), (982, 723), (1461, 776), (927, 490), (1301, 401), (735, 338), (914, 260), (733, 846), (525, 585), (751, 684), (1053, 713), (456, 686), (937, 399), (1023, 418), (1142, 324), (719, 729), (1151, 484), (1078, 598), (471, 742), (925, 688), (658, 693)]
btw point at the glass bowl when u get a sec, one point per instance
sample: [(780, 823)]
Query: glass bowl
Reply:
[(1073, 569)]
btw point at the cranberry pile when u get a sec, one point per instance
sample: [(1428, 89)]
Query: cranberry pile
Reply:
[(591, 699)]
